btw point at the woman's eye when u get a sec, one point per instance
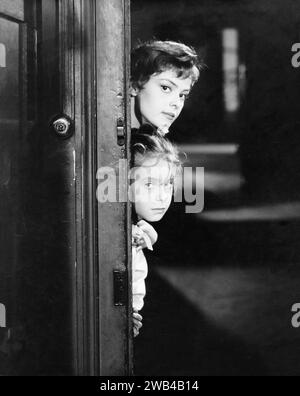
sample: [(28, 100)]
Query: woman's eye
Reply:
[(184, 96), (149, 185), (165, 88)]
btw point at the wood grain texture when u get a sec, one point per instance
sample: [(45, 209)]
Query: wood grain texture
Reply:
[(111, 104)]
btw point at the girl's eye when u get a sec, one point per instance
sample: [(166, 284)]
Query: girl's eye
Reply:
[(149, 185), (169, 185)]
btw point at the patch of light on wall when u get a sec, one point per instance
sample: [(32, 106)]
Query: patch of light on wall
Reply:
[(2, 55), (231, 69)]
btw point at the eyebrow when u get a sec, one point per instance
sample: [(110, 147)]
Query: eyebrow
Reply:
[(175, 85), (147, 178), (155, 179)]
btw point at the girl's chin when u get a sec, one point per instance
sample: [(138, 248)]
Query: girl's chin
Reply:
[(154, 218)]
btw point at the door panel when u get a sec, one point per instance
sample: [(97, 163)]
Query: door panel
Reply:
[(13, 8), (11, 112), (37, 195), (56, 257), (9, 93)]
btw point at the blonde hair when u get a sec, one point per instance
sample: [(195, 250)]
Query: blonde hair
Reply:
[(147, 143)]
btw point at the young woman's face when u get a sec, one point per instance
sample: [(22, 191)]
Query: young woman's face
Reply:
[(152, 189), (162, 98)]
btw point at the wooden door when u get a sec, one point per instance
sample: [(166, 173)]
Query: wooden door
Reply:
[(58, 125), (114, 219)]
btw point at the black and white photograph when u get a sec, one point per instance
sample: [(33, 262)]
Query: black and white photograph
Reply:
[(149, 191)]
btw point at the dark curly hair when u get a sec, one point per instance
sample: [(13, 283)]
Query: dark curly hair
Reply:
[(158, 56)]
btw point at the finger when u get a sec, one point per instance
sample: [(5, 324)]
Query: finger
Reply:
[(136, 321), (137, 325), (135, 333), (138, 317)]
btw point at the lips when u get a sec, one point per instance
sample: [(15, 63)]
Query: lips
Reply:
[(170, 116)]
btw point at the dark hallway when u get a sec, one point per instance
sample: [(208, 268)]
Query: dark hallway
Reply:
[(217, 328), (223, 282), (219, 302)]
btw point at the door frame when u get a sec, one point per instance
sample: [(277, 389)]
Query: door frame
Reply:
[(103, 338)]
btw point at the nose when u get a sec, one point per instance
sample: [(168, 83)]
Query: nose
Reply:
[(162, 194), (176, 103)]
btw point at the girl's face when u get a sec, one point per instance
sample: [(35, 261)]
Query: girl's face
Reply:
[(152, 189), (162, 98)]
